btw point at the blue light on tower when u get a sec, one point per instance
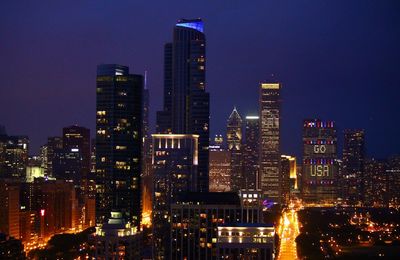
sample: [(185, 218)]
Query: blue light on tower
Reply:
[(192, 24)]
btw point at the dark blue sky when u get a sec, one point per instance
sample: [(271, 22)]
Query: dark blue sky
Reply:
[(338, 60)]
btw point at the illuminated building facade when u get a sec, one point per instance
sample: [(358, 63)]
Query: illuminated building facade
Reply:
[(252, 205), (234, 143), (13, 156), (376, 183), (9, 211), (56, 205), (175, 162), (195, 218), (320, 167), (352, 177), (186, 102), (289, 177), (270, 121), (251, 152), (246, 241), (220, 168), (146, 160), (117, 238), (118, 142)]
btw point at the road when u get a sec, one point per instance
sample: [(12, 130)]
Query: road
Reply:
[(288, 231)]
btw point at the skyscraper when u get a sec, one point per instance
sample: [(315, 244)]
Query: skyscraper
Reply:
[(13, 156), (77, 138), (220, 166), (118, 142), (186, 102), (352, 179), (320, 166), (53, 143), (270, 121), (175, 160), (251, 151), (234, 142), (147, 176)]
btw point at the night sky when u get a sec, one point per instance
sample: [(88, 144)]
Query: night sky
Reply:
[(337, 60)]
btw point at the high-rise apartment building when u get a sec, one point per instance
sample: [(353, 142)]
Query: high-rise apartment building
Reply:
[(251, 152), (320, 166), (352, 177), (234, 143), (269, 158), (118, 142), (186, 102)]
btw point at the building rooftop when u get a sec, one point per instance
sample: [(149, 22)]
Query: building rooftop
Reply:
[(196, 24), (210, 198), (261, 225)]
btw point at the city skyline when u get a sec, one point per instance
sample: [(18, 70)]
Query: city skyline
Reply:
[(44, 89)]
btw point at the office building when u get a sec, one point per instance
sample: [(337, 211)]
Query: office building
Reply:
[(320, 166), (118, 142), (53, 143), (77, 138), (234, 143), (376, 183), (220, 167), (175, 162), (246, 241), (146, 160), (13, 156), (251, 152), (252, 205), (186, 102), (68, 165), (288, 176), (56, 206), (352, 177), (269, 158), (195, 221)]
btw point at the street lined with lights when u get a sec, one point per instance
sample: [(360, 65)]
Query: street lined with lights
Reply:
[(288, 231)]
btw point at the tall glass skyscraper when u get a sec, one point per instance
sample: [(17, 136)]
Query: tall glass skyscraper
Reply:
[(186, 102), (270, 155), (118, 142), (251, 149)]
